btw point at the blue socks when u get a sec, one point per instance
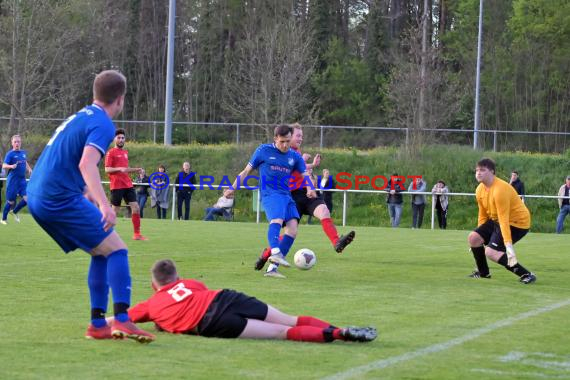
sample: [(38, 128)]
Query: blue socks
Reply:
[(6, 211), (286, 244), (98, 290), (20, 205), (273, 235), (119, 277)]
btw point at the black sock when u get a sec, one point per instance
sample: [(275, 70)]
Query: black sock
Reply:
[(517, 269), (120, 308), (480, 260)]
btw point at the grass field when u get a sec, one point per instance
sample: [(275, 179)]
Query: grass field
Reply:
[(434, 322)]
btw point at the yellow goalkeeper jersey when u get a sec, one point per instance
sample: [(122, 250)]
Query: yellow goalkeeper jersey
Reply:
[(502, 204)]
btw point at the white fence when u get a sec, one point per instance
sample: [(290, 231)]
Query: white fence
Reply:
[(344, 198)]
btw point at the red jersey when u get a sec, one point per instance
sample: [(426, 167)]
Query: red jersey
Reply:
[(177, 307), (297, 180), (118, 158)]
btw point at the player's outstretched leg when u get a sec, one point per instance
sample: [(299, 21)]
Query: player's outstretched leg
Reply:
[(343, 241)]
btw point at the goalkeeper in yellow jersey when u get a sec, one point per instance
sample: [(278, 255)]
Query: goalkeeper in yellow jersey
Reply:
[(503, 220)]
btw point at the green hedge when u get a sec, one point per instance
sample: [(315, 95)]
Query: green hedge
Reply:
[(541, 173)]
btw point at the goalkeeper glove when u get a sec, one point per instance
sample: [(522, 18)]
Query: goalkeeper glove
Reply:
[(511, 255)]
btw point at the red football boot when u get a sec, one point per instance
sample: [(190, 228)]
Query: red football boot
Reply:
[(128, 329)]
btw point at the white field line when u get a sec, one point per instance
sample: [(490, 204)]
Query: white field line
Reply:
[(379, 364)]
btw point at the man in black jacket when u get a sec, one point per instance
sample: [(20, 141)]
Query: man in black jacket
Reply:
[(184, 193), (395, 199), (517, 184)]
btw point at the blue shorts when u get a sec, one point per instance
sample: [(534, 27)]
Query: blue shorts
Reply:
[(73, 223), (280, 206), (15, 187)]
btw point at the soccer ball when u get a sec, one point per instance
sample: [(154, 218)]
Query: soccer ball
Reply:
[(305, 259)]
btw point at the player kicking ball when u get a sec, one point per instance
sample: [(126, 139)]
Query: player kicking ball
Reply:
[(67, 200), (311, 206), (186, 306), (276, 162), (503, 220)]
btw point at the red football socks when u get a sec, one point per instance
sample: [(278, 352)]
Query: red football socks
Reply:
[(313, 334), (306, 334), (304, 320), (136, 219), (330, 229)]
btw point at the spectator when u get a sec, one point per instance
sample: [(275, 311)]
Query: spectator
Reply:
[(327, 182), (395, 199), (418, 201), (142, 190), (517, 184), (441, 203), (184, 193), (223, 207), (159, 194), (564, 205)]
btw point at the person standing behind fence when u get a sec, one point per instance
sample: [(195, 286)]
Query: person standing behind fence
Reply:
[(517, 184), (395, 200), (184, 193), (327, 182), (117, 167), (159, 197), (441, 203), (564, 205), (418, 201), (142, 190)]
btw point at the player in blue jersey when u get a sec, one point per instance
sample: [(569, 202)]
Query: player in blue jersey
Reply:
[(276, 163), (67, 200), (16, 164)]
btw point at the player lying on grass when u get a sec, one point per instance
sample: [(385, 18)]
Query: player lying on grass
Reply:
[(185, 306)]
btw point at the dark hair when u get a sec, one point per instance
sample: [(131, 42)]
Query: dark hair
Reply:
[(282, 130), (108, 86), (516, 172), (120, 131), (486, 163), (162, 166), (164, 272), (441, 181)]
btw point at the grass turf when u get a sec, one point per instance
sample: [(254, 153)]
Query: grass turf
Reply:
[(410, 284)]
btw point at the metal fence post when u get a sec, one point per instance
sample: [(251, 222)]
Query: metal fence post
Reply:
[(237, 133), (173, 200), (154, 132), (258, 216), (344, 193), (322, 136), (407, 136), (433, 211), (494, 141)]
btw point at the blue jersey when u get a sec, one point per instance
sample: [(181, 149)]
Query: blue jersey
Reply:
[(276, 168), (16, 157), (56, 174)]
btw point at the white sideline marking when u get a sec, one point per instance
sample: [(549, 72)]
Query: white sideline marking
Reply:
[(520, 375), (360, 370)]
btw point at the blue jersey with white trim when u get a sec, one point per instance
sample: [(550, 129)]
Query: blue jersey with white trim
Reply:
[(56, 174), (17, 157), (276, 168)]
